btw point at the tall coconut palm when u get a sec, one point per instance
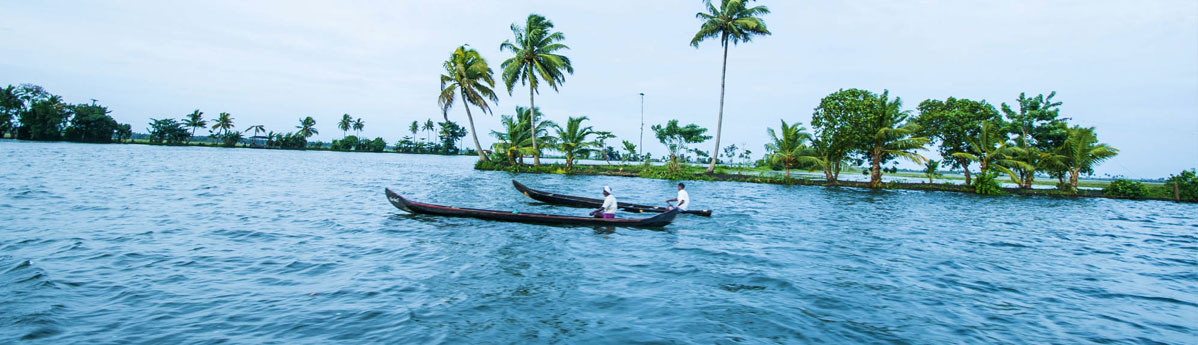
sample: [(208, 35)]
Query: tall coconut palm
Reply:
[(413, 128), (344, 124), (224, 123), (572, 139), (1082, 151), (195, 120), (732, 22), (788, 148), (892, 136), (429, 126), (535, 46), (307, 127), (358, 126), (467, 73)]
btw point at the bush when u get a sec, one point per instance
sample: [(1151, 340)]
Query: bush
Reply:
[(986, 184), (1187, 185), (1126, 189)]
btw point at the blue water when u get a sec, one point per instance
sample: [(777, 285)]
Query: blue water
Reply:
[(135, 244)]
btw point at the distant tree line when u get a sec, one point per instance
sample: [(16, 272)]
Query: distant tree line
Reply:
[(29, 112)]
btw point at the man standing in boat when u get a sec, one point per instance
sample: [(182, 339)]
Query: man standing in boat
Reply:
[(608, 210), (683, 199)]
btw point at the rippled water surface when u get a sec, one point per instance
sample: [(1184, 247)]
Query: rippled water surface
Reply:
[(140, 244)]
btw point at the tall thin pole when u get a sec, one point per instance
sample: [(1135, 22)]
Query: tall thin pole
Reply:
[(641, 144)]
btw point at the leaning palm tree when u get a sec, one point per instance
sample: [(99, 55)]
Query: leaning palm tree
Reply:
[(224, 123), (788, 148), (467, 73), (195, 120), (534, 48), (344, 124), (307, 127), (429, 126), (733, 22), (572, 139), (892, 136), (1082, 151)]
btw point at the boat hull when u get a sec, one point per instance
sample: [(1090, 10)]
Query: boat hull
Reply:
[(581, 202), (402, 203)]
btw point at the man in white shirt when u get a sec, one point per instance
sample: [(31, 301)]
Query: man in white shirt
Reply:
[(610, 205), (683, 199)]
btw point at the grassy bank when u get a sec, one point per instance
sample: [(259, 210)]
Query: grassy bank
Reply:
[(754, 175)]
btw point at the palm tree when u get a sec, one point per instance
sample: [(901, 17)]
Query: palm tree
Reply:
[(307, 127), (1082, 151), (892, 136), (195, 120), (224, 123), (534, 48), (992, 150), (428, 128), (344, 124), (256, 128), (413, 128), (631, 149), (514, 141), (733, 22), (358, 125), (467, 73), (572, 140), (788, 148)]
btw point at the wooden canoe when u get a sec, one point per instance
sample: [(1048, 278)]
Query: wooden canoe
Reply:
[(520, 217), (577, 201)]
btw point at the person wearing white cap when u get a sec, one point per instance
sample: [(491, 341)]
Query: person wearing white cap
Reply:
[(609, 205)]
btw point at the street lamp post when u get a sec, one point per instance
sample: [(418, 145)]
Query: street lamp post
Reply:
[(641, 144)]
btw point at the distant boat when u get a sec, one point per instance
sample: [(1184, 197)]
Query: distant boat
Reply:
[(514, 216), (577, 201)]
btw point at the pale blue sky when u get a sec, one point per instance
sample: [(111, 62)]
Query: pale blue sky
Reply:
[(1129, 68)]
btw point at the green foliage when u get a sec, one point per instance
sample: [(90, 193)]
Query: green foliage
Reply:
[(467, 74), (515, 141), (572, 139), (224, 124), (450, 134), (1126, 189), (194, 120), (953, 123), (1039, 131), (10, 105), (930, 169), (348, 143), (230, 139), (167, 131), (348, 121), (45, 119), (677, 137), (1080, 152), (123, 132), (91, 124), (986, 184), (787, 149), (307, 127), (889, 135), (535, 59), (1187, 185)]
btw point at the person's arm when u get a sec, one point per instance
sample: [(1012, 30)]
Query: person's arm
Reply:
[(681, 202)]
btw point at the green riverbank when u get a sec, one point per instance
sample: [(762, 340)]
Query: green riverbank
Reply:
[(764, 175)]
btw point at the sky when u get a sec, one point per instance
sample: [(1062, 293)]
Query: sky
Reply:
[(1129, 68)]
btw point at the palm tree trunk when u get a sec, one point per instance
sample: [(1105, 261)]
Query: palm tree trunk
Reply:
[(1073, 178), (470, 119), (193, 133), (875, 169), (965, 164), (532, 120), (719, 124)]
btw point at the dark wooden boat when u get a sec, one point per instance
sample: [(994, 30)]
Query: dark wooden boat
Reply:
[(511, 216), (577, 201)]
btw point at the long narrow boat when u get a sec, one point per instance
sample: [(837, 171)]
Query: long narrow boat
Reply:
[(505, 216), (577, 201)]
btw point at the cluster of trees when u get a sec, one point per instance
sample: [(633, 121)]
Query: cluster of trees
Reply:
[(1029, 139), (29, 112), (448, 133), (223, 130)]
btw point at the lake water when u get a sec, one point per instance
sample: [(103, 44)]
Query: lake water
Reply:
[(184, 245)]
